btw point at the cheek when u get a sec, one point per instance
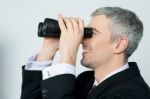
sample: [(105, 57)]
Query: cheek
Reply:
[(98, 46), (101, 49)]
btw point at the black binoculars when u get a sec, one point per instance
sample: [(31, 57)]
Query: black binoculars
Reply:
[(50, 28)]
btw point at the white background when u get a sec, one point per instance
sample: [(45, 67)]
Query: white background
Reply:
[(18, 34)]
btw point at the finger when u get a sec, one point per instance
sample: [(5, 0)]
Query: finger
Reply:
[(81, 24), (75, 24), (68, 23), (61, 23)]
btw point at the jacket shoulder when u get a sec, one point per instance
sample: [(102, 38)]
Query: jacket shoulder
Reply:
[(86, 75), (132, 88)]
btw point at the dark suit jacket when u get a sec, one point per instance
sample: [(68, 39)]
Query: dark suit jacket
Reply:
[(127, 84)]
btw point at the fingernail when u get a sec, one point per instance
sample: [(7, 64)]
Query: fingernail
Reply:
[(60, 15)]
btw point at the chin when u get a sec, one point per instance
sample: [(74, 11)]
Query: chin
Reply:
[(85, 63)]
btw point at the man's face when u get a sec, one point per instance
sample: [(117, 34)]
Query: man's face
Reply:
[(97, 50)]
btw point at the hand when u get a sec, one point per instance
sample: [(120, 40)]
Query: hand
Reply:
[(71, 36), (48, 50)]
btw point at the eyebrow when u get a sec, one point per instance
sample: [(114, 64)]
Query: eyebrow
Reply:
[(96, 30)]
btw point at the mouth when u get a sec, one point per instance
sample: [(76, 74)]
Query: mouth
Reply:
[(86, 49)]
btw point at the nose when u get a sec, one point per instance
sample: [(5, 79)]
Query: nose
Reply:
[(84, 40)]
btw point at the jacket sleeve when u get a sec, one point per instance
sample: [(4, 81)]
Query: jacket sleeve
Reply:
[(31, 84), (59, 87)]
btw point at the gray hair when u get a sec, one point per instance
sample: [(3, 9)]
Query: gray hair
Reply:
[(123, 23)]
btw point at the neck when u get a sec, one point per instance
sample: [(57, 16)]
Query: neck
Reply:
[(105, 69)]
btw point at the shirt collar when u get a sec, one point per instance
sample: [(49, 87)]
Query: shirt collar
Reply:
[(124, 67)]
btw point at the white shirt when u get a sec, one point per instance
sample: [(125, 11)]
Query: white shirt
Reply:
[(126, 66), (49, 70)]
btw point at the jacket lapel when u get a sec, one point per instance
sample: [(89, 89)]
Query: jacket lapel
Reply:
[(116, 79)]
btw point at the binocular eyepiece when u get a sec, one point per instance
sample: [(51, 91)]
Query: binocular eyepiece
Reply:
[(50, 28)]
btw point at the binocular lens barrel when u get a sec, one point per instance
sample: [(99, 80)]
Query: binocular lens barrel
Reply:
[(50, 27)]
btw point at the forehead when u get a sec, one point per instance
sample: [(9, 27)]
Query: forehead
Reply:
[(100, 22)]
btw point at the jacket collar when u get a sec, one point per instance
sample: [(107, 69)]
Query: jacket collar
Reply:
[(118, 78)]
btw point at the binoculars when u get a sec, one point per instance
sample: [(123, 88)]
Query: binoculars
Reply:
[(50, 28)]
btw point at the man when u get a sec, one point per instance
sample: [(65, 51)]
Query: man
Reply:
[(116, 35)]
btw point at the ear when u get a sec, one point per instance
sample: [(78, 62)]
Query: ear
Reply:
[(120, 45)]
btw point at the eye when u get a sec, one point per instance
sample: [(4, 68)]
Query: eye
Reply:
[(95, 32)]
